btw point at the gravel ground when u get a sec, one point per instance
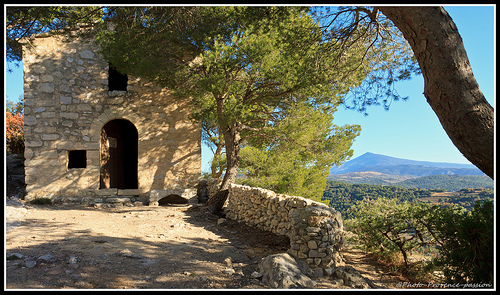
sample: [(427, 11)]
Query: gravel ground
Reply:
[(142, 247)]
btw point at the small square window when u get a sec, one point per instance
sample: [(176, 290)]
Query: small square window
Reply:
[(77, 159), (116, 80)]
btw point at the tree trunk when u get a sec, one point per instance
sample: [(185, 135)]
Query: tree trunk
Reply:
[(405, 258), (216, 168), (450, 87), (232, 138)]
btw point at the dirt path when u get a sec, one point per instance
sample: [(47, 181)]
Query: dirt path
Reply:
[(180, 247), (380, 277)]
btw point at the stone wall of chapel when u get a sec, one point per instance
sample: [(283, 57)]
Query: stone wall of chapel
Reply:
[(67, 103)]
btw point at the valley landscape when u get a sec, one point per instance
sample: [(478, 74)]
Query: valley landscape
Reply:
[(373, 175), (378, 169)]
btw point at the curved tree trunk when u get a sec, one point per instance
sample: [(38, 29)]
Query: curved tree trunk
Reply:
[(232, 138), (450, 87)]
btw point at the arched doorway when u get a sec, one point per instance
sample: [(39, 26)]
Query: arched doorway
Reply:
[(118, 150)]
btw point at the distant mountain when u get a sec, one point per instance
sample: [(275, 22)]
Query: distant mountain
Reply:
[(403, 167), (446, 182)]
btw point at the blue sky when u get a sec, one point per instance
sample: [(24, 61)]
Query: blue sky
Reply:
[(410, 129)]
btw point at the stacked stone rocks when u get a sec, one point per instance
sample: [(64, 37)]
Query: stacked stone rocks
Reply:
[(67, 102), (314, 229)]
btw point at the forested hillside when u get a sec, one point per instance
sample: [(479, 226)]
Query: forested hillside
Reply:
[(343, 195), (443, 182), (448, 182)]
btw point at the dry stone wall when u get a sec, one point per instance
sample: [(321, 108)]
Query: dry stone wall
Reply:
[(314, 229), (67, 103)]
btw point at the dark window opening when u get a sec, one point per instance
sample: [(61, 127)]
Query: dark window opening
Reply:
[(116, 80), (77, 159)]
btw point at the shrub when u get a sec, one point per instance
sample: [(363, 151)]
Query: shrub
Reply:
[(14, 128), (388, 228), (466, 239)]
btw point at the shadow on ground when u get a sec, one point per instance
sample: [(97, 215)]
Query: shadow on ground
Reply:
[(84, 258)]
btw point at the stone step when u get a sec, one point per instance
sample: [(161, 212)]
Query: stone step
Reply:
[(122, 199)]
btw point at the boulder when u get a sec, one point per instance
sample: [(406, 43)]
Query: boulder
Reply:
[(353, 278), (284, 272)]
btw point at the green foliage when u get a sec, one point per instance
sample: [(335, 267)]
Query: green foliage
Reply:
[(25, 21), (343, 195), (244, 78), (448, 182), (15, 108), (296, 160), (160, 43), (468, 199), (467, 243), (487, 193), (464, 239), (244, 69), (252, 79), (388, 227)]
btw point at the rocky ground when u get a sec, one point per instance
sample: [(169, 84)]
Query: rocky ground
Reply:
[(133, 247), (143, 247), (180, 247)]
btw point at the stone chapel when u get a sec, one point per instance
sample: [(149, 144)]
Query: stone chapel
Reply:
[(95, 136)]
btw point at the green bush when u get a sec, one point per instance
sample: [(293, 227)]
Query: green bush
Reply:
[(464, 240), (387, 228), (466, 243)]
